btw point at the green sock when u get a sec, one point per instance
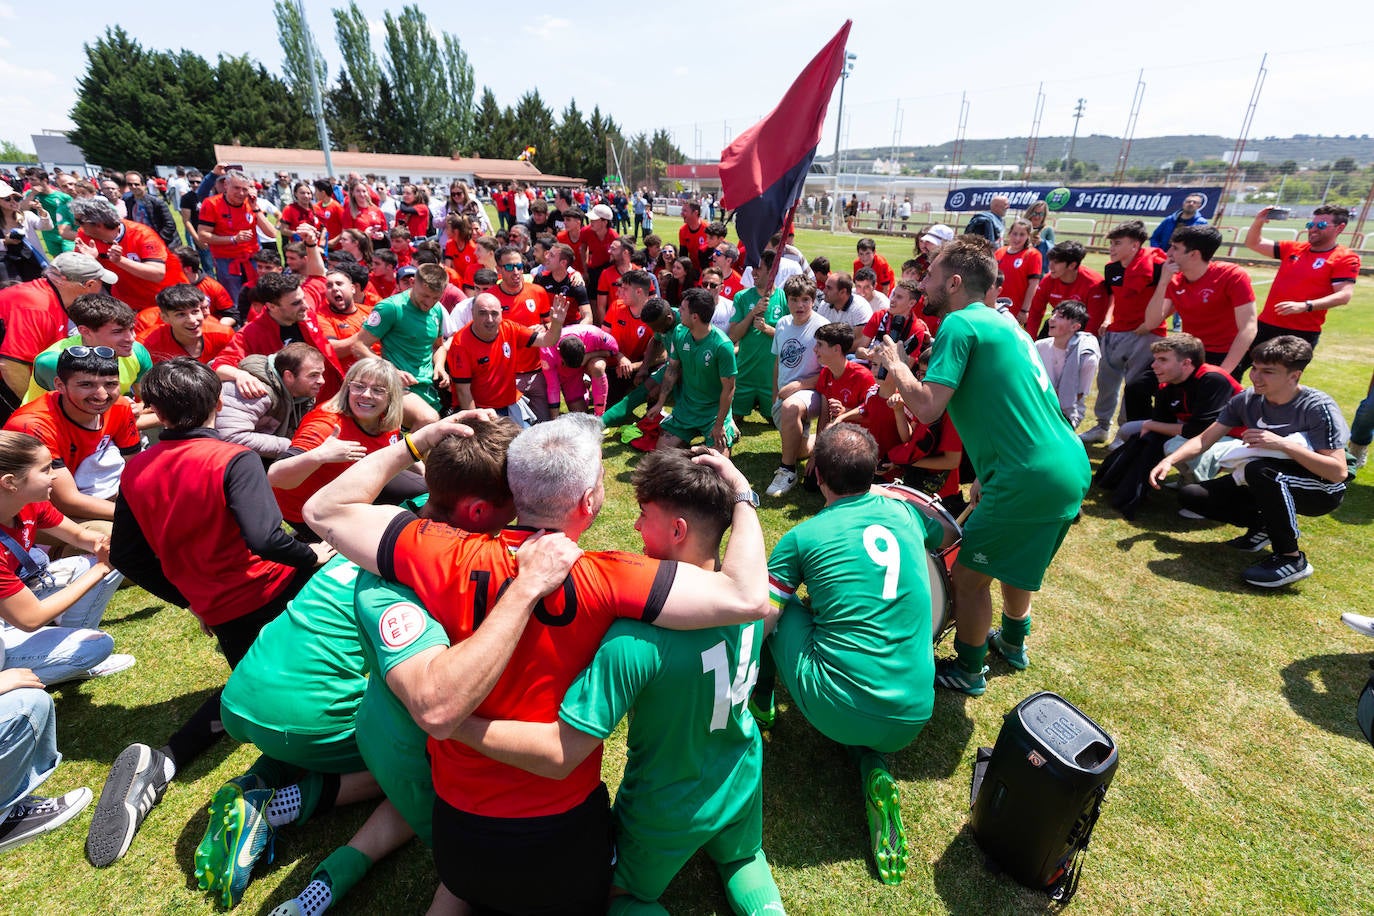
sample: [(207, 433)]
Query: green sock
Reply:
[(343, 868), (971, 657), (619, 414), (749, 886), (1014, 631)]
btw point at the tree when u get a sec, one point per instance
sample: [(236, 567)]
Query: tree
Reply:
[(573, 143), (1287, 167), (298, 46), (461, 84), (493, 130), (9, 152), (1344, 164), (357, 95), (532, 123)]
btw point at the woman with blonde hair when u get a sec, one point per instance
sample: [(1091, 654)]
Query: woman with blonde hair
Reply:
[(1042, 234)]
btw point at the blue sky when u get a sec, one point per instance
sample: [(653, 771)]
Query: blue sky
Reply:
[(707, 81)]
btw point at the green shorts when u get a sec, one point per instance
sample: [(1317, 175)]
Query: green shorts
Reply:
[(394, 752), (748, 398), (687, 424), (1017, 553), (645, 865), (820, 700), (334, 752)]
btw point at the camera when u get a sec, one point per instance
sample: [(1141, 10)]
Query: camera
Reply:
[(895, 326), (1280, 212)]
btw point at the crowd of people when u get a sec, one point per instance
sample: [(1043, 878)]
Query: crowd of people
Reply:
[(213, 415)]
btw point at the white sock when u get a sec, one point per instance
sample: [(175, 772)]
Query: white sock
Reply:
[(284, 807), (315, 899)]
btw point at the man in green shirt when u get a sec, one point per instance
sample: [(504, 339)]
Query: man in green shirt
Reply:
[(1032, 472), (857, 658), (62, 236), (409, 326), (757, 311), (701, 370), (693, 778)]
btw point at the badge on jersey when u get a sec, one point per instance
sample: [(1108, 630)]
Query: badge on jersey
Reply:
[(401, 625), (1016, 263), (1319, 263), (374, 319), (505, 350)]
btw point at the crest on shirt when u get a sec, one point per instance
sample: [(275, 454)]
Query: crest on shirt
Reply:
[(1206, 295), (639, 331), (706, 357), (529, 304), (505, 350), (1017, 262), (374, 319), (401, 625), (133, 257), (1319, 263)]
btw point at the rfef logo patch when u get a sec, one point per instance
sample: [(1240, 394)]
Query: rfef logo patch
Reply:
[(401, 625)]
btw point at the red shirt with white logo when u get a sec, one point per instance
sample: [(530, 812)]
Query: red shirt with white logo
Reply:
[(489, 366), (1208, 304), (1306, 274), (529, 307)]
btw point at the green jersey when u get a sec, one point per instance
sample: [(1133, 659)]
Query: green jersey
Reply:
[(704, 363), (1031, 465), (58, 206), (694, 752), (755, 359), (131, 367), (408, 336), (863, 559), (305, 672)]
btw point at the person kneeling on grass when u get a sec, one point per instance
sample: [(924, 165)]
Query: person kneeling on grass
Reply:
[(857, 661), (693, 779), (1293, 462)]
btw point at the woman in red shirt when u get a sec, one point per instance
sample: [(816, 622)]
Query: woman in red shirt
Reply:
[(1020, 264), (460, 252), (357, 244), (302, 209), (362, 215), (71, 593), (413, 211), (363, 417)]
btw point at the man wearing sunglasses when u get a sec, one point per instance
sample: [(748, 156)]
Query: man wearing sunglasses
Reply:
[(1314, 276)]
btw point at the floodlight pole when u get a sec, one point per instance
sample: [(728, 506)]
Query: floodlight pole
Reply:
[(317, 103), (849, 58)]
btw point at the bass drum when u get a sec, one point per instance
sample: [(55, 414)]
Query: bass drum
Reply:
[(938, 562)]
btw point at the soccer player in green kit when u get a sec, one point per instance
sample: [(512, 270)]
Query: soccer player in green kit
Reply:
[(1032, 470), (701, 376), (693, 779), (757, 311)]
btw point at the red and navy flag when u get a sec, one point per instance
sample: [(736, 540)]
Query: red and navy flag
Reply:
[(763, 172)]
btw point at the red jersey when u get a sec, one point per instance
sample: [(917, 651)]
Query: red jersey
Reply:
[(417, 222), (1131, 290), (140, 244), (333, 217), (225, 219), (370, 221), (489, 366), (850, 389), (459, 576), (596, 252), (579, 263), (384, 286), (34, 320), (1306, 274), (30, 518), (293, 214), (631, 334), (690, 243), (162, 346), (95, 457), (886, 278), (732, 285), (605, 286), (926, 441), (464, 260), (317, 426), (880, 421), (916, 338), (530, 307), (1208, 304), (1087, 289), (338, 327), (220, 303), (1019, 270)]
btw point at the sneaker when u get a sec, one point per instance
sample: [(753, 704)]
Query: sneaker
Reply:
[(1359, 454), (34, 816), (1193, 516), (949, 675), (765, 717), (136, 783), (112, 665), (1279, 569), (1359, 623), (1094, 435), (1250, 541), (247, 835), (214, 850), (783, 481), (1012, 655), (885, 829)]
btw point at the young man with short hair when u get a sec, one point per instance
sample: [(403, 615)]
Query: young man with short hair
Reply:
[(795, 399), (843, 383), (1066, 278), (752, 326), (290, 380), (1215, 299), (702, 359), (101, 321), (187, 328), (1070, 356), (868, 256)]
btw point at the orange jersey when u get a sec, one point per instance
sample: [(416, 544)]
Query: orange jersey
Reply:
[(162, 346), (91, 455), (631, 334), (225, 219), (337, 327), (459, 577), (489, 366), (530, 307), (886, 279), (140, 244), (317, 426)]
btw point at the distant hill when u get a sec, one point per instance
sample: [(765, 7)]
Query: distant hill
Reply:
[(1145, 151)]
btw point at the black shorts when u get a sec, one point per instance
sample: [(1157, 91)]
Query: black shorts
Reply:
[(523, 866)]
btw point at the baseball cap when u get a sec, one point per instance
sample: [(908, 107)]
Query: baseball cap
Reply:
[(939, 234), (82, 268), (601, 211), (7, 190), (406, 272)]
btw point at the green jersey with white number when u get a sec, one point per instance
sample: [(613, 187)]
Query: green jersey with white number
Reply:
[(694, 753), (863, 560), (1031, 465)]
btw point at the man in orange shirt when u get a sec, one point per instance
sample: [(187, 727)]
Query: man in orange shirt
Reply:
[(482, 359), (691, 235), (132, 250), (526, 304), (228, 225), (187, 328), (608, 284), (344, 312)]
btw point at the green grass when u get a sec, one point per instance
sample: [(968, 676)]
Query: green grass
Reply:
[(1243, 781)]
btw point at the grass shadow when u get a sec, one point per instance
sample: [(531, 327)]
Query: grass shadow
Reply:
[(1358, 506), (1324, 689), (1217, 570), (98, 732), (936, 754), (972, 885), (142, 613)]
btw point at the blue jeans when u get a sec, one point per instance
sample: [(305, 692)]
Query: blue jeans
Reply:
[(72, 645), (28, 744), (232, 283)]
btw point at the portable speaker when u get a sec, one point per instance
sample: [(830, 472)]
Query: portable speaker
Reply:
[(1037, 800)]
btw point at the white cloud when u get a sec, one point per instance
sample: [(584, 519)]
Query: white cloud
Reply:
[(548, 28), (680, 71), (6, 11)]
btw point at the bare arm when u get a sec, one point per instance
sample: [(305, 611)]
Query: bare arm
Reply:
[(1187, 452), (1160, 306), (548, 749), (1246, 326), (26, 611), (1254, 238), (72, 503), (18, 376)]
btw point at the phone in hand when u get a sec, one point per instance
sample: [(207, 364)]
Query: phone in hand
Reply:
[(233, 167), (1279, 213)]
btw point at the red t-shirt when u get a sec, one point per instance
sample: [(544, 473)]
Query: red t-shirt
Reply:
[(489, 366), (1131, 296), (880, 421), (596, 252), (886, 278), (384, 286), (317, 426), (631, 334), (1306, 274), (464, 260), (162, 346), (1087, 289), (732, 285), (93, 456), (916, 329), (140, 243), (370, 221), (333, 217), (31, 518), (225, 219), (417, 222), (293, 214), (850, 389), (34, 320), (220, 303), (1019, 269), (579, 250), (1207, 304), (922, 443), (458, 577), (530, 307), (689, 243)]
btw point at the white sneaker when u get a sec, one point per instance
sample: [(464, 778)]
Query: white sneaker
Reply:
[(113, 665), (1096, 434), (1359, 452), (1359, 623), (783, 481)]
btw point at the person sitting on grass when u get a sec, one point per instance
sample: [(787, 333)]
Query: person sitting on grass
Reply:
[(28, 745), (1294, 464), (795, 373)]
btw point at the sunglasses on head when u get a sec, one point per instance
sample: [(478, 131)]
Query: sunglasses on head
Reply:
[(103, 352), (1319, 224)]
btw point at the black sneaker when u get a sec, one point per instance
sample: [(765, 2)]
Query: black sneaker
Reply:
[(1279, 569), (136, 783), (1250, 541), (34, 816)]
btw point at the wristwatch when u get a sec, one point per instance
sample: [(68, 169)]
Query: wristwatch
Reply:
[(1309, 305), (748, 496)]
